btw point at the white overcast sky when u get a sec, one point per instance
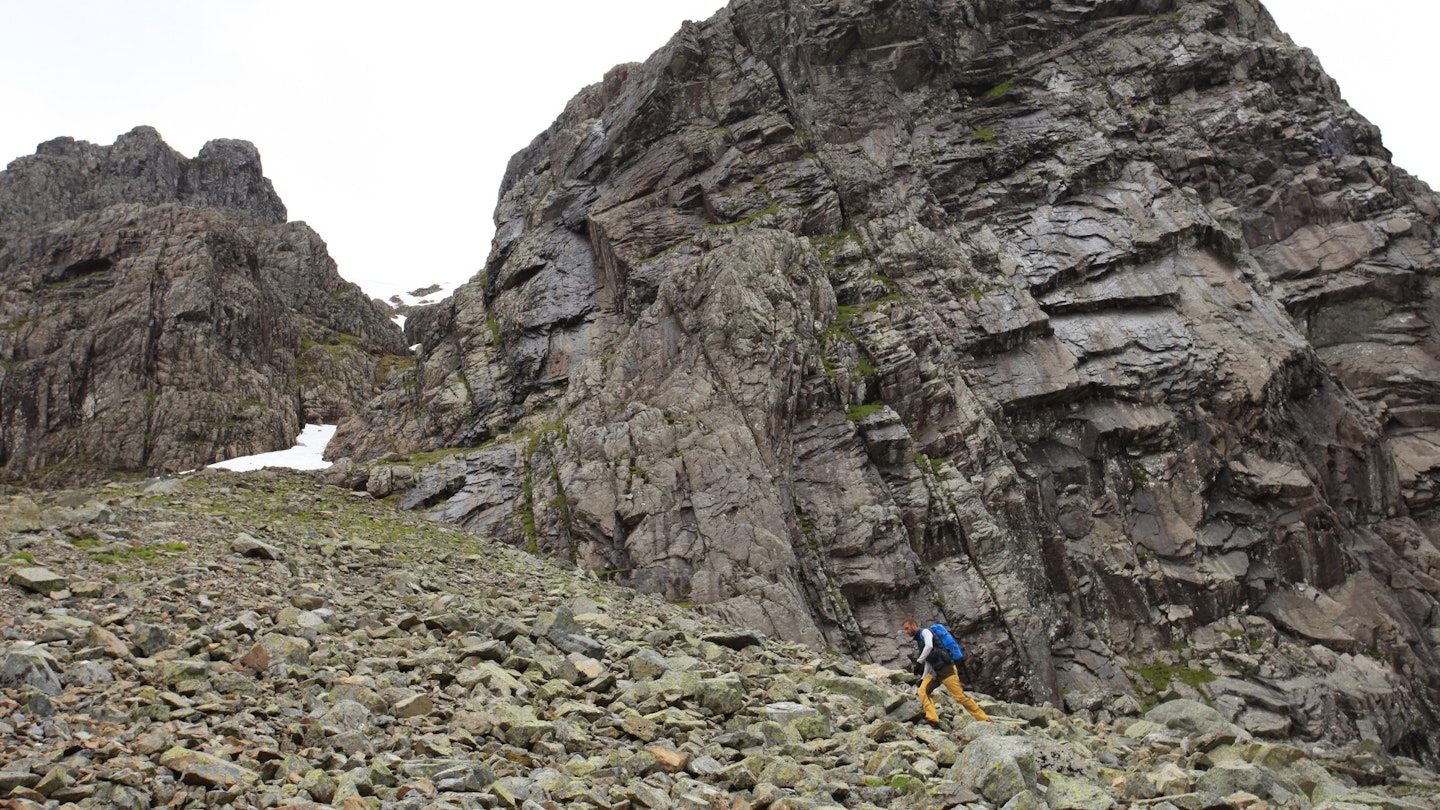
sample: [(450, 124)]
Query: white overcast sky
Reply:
[(387, 126)]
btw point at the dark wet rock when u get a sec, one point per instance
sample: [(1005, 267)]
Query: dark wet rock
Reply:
[(737, 641)]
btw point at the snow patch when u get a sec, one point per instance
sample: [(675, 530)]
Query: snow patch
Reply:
[(307, 454), (440, 293)]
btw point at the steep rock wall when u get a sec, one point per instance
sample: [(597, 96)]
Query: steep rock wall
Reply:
[(159, 313), (1091, 327)]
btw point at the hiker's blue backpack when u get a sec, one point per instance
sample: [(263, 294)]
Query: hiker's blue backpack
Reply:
[(942, 635)]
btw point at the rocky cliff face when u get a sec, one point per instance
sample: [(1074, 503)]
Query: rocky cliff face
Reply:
[(1092, 327), (159, 313)]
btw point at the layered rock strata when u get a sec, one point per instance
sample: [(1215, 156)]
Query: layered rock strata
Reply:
[(159, 313), (1087, 326)]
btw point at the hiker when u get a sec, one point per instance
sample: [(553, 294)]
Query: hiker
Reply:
[(939, 670)]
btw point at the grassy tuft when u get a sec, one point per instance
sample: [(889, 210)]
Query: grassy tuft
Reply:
[(857, 412), (1000, 89)]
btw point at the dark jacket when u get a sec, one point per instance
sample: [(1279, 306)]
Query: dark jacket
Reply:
[(929, 652)]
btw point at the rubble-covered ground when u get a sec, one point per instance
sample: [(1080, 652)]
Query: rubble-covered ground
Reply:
[(262, 640)]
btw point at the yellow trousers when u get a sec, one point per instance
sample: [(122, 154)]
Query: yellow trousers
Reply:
[(952, 685)]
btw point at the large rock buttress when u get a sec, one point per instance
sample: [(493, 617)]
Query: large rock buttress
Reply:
[(159, 313), (1092, 327)]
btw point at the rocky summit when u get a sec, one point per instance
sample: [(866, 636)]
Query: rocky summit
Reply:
[(159, 313), (263, 640), (1103, 329)]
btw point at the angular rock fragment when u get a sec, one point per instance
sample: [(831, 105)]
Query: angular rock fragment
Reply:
[(28, 665), (37, 579), (199, 768), (247, 546)]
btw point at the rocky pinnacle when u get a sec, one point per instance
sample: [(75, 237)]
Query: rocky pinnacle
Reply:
[(159, 313)]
